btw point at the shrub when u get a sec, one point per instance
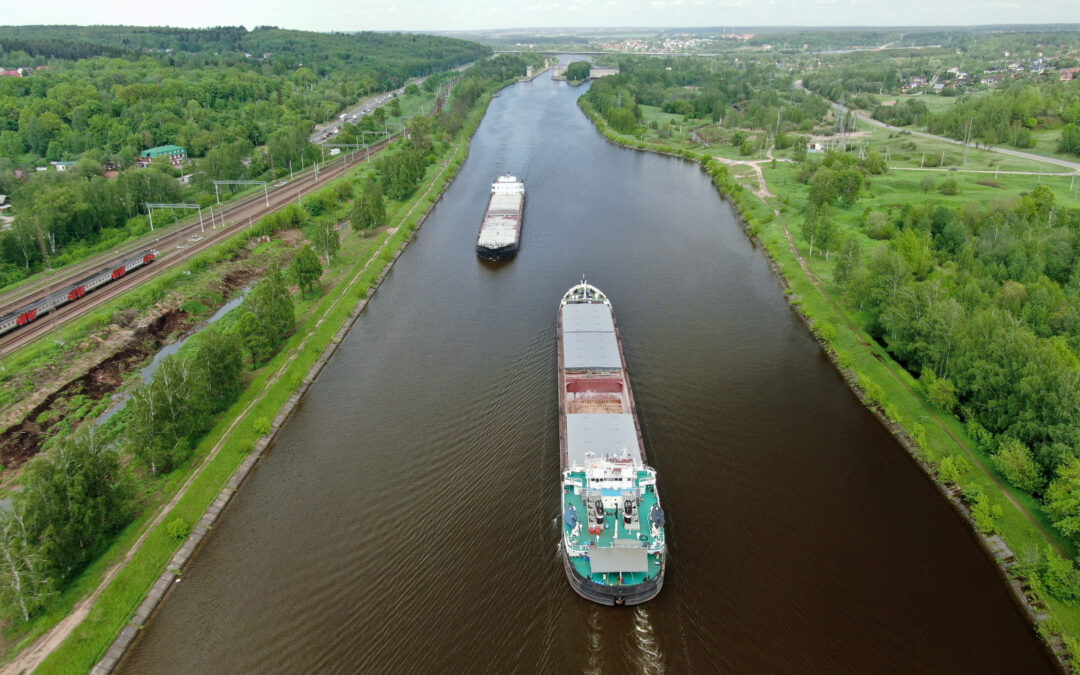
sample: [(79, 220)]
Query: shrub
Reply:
[(940, 391), (1015, 461), (893, 413), (949, 187), (826, 331), (947, 472), (1060, 578), (874, 393), (261, 426), (985, 514), (177, 528)]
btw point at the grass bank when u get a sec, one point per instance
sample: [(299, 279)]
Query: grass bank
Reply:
[(931, 435)]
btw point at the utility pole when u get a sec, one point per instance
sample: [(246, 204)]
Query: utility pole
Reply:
[(967, 139)]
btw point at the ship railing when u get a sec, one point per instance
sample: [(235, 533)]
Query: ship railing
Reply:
[(583, 547)]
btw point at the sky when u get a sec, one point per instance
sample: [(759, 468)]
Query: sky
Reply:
[(450, 15)]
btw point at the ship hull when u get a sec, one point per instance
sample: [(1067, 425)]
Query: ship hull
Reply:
[(501, 253), (500, 231), (570, 377), (613, 596)]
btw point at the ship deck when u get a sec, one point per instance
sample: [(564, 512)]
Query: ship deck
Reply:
[(613, 535)]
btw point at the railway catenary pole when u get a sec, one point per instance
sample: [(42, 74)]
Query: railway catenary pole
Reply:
[(266, 194), (151, 207)]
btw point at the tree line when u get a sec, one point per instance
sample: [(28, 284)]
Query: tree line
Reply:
[(246, 116)]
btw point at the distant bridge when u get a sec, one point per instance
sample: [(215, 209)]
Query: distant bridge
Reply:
[(576, 53)]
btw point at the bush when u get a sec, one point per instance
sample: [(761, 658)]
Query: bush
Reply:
[(985, 514), (1060, 578), (940, 391), (947, 472), (177, 528), (826, 331), (1015, 461), (949, 187), (261, 426)]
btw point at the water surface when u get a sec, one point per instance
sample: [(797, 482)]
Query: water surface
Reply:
[(406, 520)]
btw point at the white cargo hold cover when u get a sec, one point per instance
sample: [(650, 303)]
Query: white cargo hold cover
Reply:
[(589, 341), (505, 203), (589, 317), (591, 351), (600, 435)]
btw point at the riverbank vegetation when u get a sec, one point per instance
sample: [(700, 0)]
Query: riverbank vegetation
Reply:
[(952, 300), (183, 432), (578, 71), (242, 103)]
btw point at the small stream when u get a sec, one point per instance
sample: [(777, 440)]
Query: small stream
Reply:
[(149, 369)]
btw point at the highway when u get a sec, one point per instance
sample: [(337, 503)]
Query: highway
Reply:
[(353, 115)]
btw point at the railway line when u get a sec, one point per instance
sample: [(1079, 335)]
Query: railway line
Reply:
[(175, 247)]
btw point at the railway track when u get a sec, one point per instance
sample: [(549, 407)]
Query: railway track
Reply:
[(174, 248), (27, 292)]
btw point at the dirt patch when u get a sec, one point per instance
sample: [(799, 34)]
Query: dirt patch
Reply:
[(65, 390), (22, 441), (294, 238), (236, 279)]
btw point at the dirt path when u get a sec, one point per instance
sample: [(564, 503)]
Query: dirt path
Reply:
[(763, 189), (930, 412), (32, 657), (993, 171)]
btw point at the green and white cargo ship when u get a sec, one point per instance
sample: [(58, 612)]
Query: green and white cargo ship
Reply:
[(613, 540)]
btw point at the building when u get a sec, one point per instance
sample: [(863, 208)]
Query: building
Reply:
[(602, 71), (63, 166), (163, 153)]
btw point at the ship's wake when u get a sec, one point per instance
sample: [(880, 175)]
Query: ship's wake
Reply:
[(594, 661), (650, 657)]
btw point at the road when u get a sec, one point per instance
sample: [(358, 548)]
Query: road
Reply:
[(352, 116), (1074, 166), (364, 107)]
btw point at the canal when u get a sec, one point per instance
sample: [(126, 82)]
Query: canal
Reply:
[(406, 519)]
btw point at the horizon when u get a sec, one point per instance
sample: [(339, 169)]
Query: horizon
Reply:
[(578, 15)]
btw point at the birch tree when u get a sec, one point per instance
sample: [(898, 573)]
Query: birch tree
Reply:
[(24, 581)]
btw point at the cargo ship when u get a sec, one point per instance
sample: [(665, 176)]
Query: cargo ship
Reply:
[(500, 233), (613, 541)]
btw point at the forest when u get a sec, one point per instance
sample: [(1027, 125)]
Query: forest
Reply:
[(746, 95), (241, 103)]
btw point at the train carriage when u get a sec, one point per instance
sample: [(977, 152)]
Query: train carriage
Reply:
[(34, 310)]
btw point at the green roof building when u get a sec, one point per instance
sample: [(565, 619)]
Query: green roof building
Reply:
[(173, 153)]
